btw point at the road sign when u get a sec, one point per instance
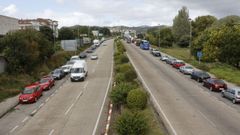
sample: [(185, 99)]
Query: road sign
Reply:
[(199, 55)]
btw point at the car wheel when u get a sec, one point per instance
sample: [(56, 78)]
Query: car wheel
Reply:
[(234, 101), (198, 79)]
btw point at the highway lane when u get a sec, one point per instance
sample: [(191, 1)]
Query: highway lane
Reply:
[(77, 107), (188, 108)]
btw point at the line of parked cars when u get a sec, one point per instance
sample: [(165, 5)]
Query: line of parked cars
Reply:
[(213, 84), (77, 68)]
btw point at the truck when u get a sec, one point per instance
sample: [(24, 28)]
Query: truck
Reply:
[(145, 45), (96, 42), (79, 71)]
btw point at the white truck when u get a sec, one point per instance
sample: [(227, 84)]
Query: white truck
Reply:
[(96, 42), (79, 71)]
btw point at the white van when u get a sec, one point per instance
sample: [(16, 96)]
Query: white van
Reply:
[(79, 71)]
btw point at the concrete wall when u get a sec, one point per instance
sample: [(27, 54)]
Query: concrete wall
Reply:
[(8, 24)]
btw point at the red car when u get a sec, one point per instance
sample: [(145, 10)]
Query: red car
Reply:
[(178, 64), (215, 84), (31, 93), (46, 82)]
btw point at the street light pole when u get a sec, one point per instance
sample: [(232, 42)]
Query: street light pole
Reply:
[(190, 36), (159, 37)]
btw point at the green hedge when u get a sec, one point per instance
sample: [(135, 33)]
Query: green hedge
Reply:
[(137, 99)]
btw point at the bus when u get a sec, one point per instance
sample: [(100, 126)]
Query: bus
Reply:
[(145, 45)]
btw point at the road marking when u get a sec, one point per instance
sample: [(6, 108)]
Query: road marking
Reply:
[(154, 99), (85, 86), (79, 95), (207, 119), (69, 109), (52, 95), (52, 131), (14, 129), (47, 99), (41, 105), (25, 119), (34, 111), (100, 113)]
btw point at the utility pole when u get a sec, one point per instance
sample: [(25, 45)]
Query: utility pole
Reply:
[(190, 37), (159, 37)]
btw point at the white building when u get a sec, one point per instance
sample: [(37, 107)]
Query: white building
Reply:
[(8, 24)]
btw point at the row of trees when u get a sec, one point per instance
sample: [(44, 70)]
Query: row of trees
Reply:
[(217, 39)]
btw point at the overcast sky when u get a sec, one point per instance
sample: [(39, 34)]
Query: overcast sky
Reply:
[(116, 12)]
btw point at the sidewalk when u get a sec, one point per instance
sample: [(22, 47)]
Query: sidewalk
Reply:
[(7, 105)]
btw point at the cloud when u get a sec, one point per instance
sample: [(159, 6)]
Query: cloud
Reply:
[(9, 10), (60, 1)]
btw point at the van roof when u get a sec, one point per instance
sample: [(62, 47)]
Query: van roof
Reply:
[(75, 56)]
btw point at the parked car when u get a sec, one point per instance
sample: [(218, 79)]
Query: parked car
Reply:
[(232, 94), (58, 74), (164, 58), (89, 51), (82, 55), (156, 53), (215, 84), (94, 57), (199, 75), (170, 61), (187, 70), (66, 68), (31, 93), (93, 47), (178, 63), (46, 82), (74, 58)]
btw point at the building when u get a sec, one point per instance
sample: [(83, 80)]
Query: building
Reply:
[(37, 23), (8, 24)]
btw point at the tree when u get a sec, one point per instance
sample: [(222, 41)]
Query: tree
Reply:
[(201, 23), (181, 25), (234, 19), (105, 31), (47, 32), (66, 34), (166, 37)]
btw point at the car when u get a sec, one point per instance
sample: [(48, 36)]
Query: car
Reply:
[(94, 57), (200, 75), (177, 64), (31, 93), (79, 71), (73, 58), (156, 53), (58, 74), (46, 82), (93, 47), (164, 58), (187, 70), (82, 55), (66, 68), (215, 84), (89, 51), (232, 94), (170, 61)]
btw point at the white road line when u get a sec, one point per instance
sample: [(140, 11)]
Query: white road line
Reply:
[(154, 99), (207, 119), (85, 86), (100, 113), (25, 119), (69, 109), (79, 95), (52, 95), (34, 111), (14, 129), (52, 131), (47, 99)]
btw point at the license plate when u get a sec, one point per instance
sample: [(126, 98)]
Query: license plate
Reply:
[(24, 100)]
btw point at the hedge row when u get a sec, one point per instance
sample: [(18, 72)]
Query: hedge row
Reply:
[(128, 94)]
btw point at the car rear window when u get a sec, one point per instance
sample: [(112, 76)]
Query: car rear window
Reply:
[(28, 90), (219, 81)]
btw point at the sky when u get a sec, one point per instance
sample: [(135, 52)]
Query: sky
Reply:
[(116, 12)]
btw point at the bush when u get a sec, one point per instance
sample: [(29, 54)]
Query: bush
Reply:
[(131, 124), (137, 99), (130, 75), (119, 93), (121, 59), (119, 78), (123, 68)]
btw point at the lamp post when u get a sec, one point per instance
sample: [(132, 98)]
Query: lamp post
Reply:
[(159, 37), (190, 36)]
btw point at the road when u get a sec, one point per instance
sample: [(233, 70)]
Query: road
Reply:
[(186, 107), (75, 108)]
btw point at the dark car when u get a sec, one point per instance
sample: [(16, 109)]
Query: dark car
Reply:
[(89, 51), (215, 84), (93, 47), (58, 74), (199, 76), (83, 55)]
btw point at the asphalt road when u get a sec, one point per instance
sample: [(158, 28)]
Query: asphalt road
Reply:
[(186, 107), (71, 108)]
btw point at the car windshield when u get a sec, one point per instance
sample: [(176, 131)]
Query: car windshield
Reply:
[(28, 90), (56, 71), (70, 63), (77, 70), (44, 80), (219, 81), (188, 67)]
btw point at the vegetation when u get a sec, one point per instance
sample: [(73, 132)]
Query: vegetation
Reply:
[(137, 99)]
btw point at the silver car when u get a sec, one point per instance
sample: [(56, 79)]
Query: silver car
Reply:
[(232, 94), (187, 70), (94, 57)]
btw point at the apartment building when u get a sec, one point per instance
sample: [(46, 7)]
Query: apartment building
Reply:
[(8, 24)]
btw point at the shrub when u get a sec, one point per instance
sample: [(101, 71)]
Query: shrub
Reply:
[(121, 59), (119, 77), (137, 99), (130, 75), (131, 124), (119, 93), (123, 68)]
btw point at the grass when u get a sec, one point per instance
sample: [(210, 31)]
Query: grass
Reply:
[(220, 70)]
